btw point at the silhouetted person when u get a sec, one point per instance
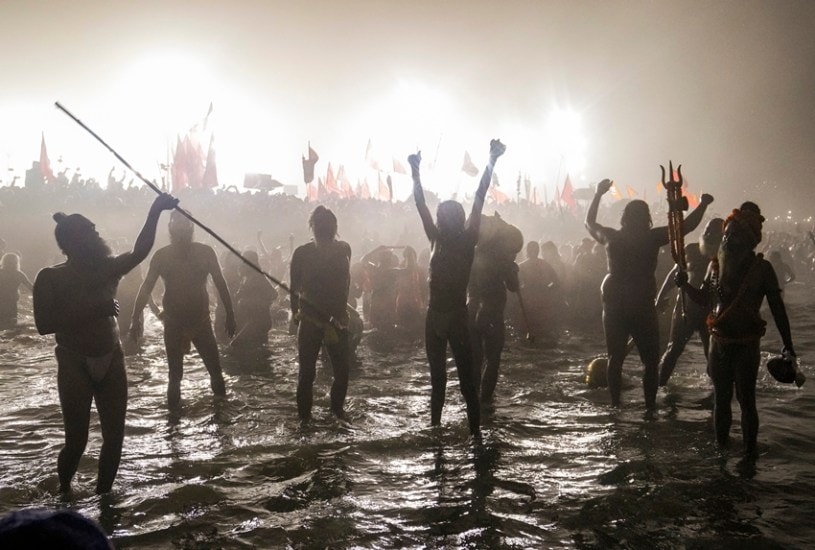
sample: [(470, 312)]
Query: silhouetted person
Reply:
[(629, 288), (494, 272), (543, 295), (75, 302), (11, 279), (255, 297), (688, 316), (320, 278), (736, 285), (452, 241), (184, 266)]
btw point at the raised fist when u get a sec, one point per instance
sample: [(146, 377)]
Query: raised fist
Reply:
[(706, 199), (604, 186), (415, 161), (497, 149)]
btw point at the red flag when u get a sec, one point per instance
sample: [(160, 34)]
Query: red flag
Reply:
[(567, 195), (398, 167), (312, 192), (195, 161), (179, 167), (363, 191), (468, 167), (308, 164), (616, 192), (331, 186), (345, 184), (369, 157), (210, 178), (630, 192), (497, 195), (382, 189), (45, 163)]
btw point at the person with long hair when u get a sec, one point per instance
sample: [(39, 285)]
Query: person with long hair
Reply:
[(452, 239), (75, 301), (629, 288)]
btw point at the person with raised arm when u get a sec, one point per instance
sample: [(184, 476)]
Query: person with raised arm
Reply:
[(629, 288), (75, 301), (452, 240)]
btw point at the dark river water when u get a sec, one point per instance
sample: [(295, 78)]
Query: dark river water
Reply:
[(557, 468)]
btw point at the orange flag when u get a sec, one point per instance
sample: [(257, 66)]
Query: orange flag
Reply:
[(567, 195)]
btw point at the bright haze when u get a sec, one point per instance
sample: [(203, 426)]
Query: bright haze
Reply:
[(590, 89)]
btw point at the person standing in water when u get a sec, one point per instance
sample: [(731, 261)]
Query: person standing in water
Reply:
[(452, 240), (11, 279), (75, 301), (629, 288), (688, 316), (320, 275), (184, 266), (736, 285)]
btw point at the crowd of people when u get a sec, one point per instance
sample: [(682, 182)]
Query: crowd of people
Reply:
[(364, 267)]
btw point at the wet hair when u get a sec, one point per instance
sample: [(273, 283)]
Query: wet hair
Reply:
[(323, 223), (636, 214), (180, 226), (450, 217)]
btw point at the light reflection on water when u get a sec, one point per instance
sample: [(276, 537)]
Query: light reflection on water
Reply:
[(557, 467)]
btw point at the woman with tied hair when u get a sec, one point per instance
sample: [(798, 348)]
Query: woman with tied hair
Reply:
[(452, 239), (630, 287)]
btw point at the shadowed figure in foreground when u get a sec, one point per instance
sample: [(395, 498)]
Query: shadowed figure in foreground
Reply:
[(184, 266), (629, 288), (75, 301), (453, 241)]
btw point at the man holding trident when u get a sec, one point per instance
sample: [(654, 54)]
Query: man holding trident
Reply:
[(629, 287)]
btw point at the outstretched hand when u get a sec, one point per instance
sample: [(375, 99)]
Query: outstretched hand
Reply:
[(496, 149), (604, 186)]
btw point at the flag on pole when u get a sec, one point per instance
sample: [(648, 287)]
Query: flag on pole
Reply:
[(331, 186), (309, 163), (45, 163), (398, 167), (468, 167), (178, 170), (382, 188), (363, 191), (630, 192), (210, 178), (616, 192), (567, 195), (344, 183)]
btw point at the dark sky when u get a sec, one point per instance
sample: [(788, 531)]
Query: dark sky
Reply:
[(725, 87)]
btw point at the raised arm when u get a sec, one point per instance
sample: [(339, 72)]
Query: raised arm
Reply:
[(147, 236), (430, 228), (474, 221), (695, 218), (595, 229)]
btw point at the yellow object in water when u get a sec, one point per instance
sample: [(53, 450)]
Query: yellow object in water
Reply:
[(596, 376)]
